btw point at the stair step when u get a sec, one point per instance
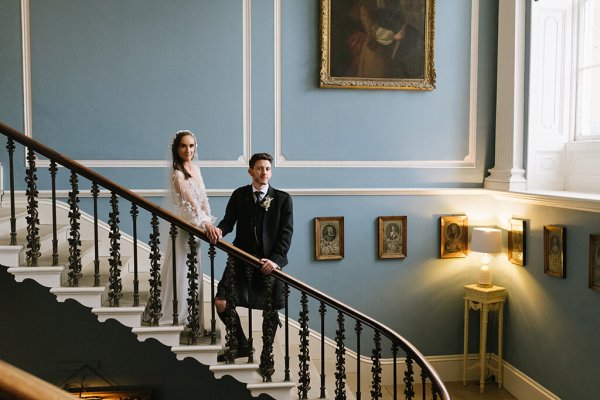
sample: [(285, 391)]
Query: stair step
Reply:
[(45, 276), (277, 390), (128, 316), (9, 255), (20, 219), (241, 370), (204, 353), (88, 296), (167, 335)]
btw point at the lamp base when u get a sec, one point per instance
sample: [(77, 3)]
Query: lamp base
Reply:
[(485, 277)]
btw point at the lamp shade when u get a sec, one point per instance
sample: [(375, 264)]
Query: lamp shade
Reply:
[(486, 240)]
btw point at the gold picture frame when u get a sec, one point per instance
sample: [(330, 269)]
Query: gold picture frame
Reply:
[(329, 238), (373, 44), (594, 275), (392, 237), (554, 251), (454, 236), (516, 242)]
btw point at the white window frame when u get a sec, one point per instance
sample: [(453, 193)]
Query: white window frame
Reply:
[(555, 161)]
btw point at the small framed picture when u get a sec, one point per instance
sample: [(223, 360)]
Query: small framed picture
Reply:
[(554, 251), (516, 242), (329, 238), (594, 281), (392, 237), (454, 233)]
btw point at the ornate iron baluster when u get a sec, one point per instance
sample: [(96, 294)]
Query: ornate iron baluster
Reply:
[(230, 321), (53, 170), (173, 234), (248, 272), (33, 233), (115, 285), (376, 368), (74, 234), (358, 328), (395, 370), (322, 311), (154, 307), (10, 146), (136, 282), (95, 192), (409, 391), (340, 352), (286, 294), (303, 356), (270, 318), (424, 383), (213, 320), (192, 299)]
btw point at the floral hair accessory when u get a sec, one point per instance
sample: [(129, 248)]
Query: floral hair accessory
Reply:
[(266, 203)]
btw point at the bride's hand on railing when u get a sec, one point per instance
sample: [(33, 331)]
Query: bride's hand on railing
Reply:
[(213, 233)]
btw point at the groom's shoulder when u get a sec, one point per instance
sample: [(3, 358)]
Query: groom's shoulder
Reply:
[(281, 193)]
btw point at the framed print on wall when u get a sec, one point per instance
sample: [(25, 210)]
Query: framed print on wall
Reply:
[(377, 44), (329, 238), (516, 242), (554, 251), (594, 279), (454, 236), (392, 237)]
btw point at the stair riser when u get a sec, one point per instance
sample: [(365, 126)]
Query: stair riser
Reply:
[(9, 256), (21, 223)]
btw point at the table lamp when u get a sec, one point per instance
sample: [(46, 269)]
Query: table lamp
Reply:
[(487, 241)]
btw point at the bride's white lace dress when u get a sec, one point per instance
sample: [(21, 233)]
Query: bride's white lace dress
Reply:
[(191, 203)]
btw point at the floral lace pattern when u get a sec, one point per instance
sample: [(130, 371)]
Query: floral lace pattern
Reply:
[(189, 195)]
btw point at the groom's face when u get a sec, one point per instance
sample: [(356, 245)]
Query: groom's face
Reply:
[(260, 173)]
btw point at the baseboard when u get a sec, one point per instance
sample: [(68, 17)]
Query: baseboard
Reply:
[(515, 382)]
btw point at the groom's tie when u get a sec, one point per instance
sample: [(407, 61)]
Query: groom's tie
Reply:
[(258, 196)]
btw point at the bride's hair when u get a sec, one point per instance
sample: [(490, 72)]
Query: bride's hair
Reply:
[(177, 164)]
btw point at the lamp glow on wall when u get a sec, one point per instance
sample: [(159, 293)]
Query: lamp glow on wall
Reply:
[(486, 241)]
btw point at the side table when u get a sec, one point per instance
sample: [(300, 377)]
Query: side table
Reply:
[(484, 299)]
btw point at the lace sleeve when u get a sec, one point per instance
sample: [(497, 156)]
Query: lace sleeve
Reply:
[(191, 202)]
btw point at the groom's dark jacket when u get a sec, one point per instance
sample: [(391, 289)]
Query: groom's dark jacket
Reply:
[(265, 232)]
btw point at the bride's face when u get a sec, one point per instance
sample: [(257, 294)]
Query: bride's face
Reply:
[(187, 148)]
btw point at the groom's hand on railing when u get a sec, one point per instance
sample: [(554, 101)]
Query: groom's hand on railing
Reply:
[(268, 266)]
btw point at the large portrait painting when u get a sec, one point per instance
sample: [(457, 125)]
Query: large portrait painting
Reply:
[(392, 237), (377, 44)]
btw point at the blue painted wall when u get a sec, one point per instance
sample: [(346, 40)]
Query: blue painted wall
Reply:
[(112, 80)]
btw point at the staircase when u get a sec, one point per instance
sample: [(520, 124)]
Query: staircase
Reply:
[(96, 299), (119, 273)]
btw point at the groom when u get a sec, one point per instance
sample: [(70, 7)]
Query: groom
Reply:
[(263, 218)]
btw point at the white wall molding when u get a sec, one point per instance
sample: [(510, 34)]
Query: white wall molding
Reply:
[(559, 199), (246, 136), (468, 161), (508, 172)]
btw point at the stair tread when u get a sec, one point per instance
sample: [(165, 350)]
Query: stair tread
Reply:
[(45, 231)]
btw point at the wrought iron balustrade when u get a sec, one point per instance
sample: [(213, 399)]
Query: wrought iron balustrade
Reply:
[(405, 358)]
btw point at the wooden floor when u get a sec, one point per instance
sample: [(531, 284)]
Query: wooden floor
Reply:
[(458, 392)]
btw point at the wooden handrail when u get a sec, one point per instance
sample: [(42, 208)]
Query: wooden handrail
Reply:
[(227, 247), (16, 384)]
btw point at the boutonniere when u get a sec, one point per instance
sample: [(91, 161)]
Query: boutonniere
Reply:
[(266, 203)]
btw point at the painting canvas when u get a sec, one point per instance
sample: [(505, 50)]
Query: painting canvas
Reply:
[(392, 237), (516, 242), (454, 236), (377, 44), (329, 238), (594, 279), (554, 251)]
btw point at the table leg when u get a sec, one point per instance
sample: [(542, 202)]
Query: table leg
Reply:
[(482, 345), (465, 341), (500, 331)]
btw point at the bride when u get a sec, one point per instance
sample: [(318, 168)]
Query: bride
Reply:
[(190, 201)]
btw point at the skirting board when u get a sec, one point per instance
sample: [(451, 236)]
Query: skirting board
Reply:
[(515, 382)]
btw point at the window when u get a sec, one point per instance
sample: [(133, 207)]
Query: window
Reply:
[(563, 138), (587, 125)]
